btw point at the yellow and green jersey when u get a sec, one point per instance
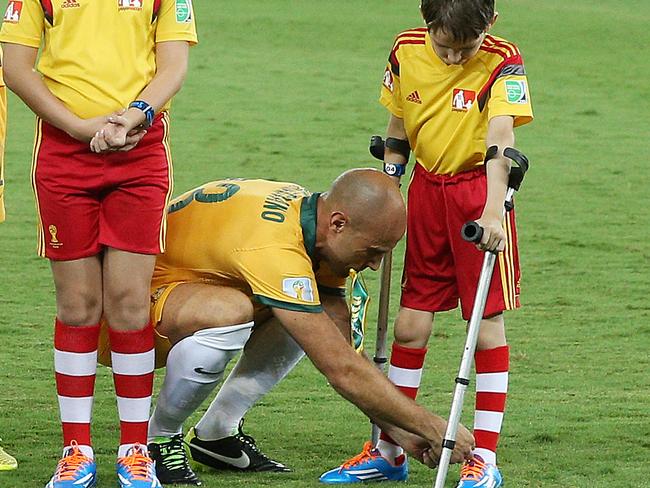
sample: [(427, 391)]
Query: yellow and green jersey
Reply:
[(3, 133), (97, 56), (257, 236), (446, 109)]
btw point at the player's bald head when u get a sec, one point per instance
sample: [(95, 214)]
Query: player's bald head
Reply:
[(371, 200)]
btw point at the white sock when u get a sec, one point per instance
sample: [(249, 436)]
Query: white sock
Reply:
[(195, 366), (123, 450), (85, 450), (269, 355), (389, 450)]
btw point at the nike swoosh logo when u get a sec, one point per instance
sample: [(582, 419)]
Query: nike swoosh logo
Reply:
[(241, 462), (211, 373)]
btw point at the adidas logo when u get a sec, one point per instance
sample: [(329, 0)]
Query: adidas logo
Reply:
[(70, 4), (414, 97)]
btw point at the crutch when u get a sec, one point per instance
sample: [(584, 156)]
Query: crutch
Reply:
[(380, 359), (472, 232)]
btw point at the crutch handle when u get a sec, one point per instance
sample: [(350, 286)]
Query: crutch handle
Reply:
[(472, 232)]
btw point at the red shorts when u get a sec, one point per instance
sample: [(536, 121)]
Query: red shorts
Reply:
[(86, 201), (440, 268)]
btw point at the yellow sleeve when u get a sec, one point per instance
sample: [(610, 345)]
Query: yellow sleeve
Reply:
[(23, 23), (176, 22), (280, 278), (510, 96)]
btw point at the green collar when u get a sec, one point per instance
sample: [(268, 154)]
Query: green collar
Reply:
[(308, 222)]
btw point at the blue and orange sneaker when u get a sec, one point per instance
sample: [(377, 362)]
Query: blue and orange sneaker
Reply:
[(476, 473), (75, 470), (136, 469), (365, 467)]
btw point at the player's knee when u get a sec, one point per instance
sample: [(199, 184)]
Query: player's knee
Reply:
[(79, 308), (126, 309), (413, 329), (492, 333)]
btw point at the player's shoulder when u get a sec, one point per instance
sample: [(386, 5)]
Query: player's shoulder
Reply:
[(499, 48)]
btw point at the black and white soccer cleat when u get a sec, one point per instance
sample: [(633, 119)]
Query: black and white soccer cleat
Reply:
[(172, 466), (238, 452)]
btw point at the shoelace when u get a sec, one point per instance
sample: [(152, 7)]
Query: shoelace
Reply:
[(70, 463), (472, 470), (248, 440), (137, 463), (173, 458), (365, 454)]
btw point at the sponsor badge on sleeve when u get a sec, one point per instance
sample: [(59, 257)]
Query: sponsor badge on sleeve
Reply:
[(516, 91)]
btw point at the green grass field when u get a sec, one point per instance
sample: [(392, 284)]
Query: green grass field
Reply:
[(288, 90)]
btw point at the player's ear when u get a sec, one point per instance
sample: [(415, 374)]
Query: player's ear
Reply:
[(338, 220), (493, 21)]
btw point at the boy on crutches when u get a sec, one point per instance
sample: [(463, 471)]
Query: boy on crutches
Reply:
[(452, 91)]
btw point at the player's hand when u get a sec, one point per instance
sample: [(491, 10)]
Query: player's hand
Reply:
[(415, 446), (494, 237), (86, 129), (462, 448), (117, 134), (100, 143)]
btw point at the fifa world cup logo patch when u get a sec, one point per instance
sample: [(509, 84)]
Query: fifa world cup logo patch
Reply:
[(12, 14), (462, 100), (298, 288), (54, 241)]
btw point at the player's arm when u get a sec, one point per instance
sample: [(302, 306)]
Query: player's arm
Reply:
[(21, 78), (392, 153), (354, 378), (500, 133), (171, 68), (336, 307)]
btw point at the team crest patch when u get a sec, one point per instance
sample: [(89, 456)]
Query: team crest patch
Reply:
[(299, 288), (388, 79), (12, 14), (183, 11), (462, 100), (129, 4), (516, 91)]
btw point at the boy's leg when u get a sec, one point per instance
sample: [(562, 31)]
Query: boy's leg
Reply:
[(126, 307), (492, 354), (492, 365), (412, 331), (76, 333)]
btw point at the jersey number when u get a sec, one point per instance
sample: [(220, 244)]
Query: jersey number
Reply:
[(198, 196)]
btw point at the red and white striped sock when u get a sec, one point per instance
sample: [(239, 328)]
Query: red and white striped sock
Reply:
[(405, 371), (492, 367), (75, 365), (132, 355)]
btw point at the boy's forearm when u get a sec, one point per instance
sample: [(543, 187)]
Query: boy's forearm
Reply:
[(24, 81)]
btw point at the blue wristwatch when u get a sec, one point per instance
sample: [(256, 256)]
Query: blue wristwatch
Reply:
[(147, 109), (394, 169)]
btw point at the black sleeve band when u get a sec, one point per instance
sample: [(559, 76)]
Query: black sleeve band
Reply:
[(399, 145)]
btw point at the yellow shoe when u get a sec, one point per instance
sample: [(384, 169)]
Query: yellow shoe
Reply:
[(7, 462)]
